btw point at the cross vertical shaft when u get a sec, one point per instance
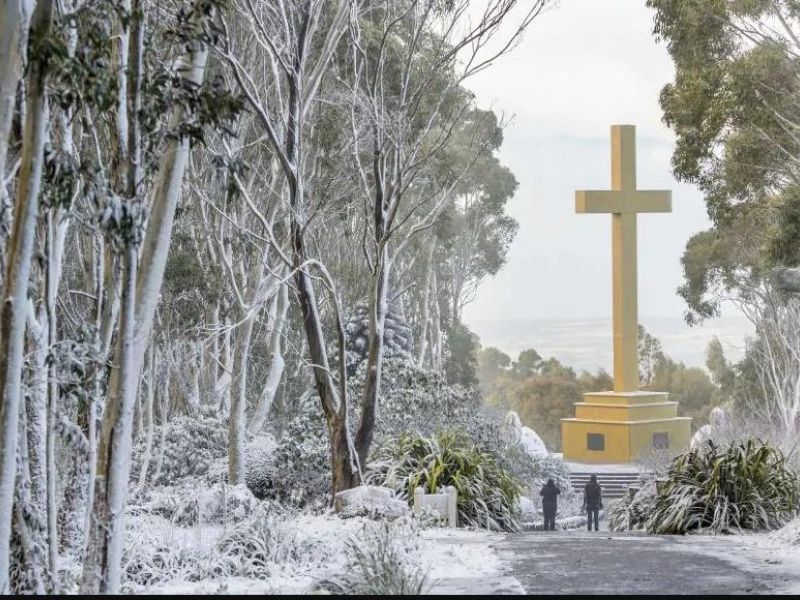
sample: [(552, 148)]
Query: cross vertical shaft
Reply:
[(625, 310), (624, 201)]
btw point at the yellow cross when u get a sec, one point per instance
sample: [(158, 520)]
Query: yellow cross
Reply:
[(623, 201)]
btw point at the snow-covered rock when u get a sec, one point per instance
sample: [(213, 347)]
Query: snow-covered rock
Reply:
[(789, 534), (532, 443), (525, 436), (370, 500), (527, 508), (710, 431)]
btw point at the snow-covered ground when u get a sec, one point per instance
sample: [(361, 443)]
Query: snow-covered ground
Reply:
[(773, 555), (223, 549), (309, 549), (466, 562)]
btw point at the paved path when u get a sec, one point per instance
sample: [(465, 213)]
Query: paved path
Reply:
[(578, 562)]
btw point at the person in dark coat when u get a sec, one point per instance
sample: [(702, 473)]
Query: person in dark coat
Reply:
[(592, 501), (549, 496)]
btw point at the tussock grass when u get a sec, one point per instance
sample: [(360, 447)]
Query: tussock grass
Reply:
[(747, 485)]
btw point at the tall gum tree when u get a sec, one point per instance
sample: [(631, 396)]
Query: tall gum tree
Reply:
[(13, 313)]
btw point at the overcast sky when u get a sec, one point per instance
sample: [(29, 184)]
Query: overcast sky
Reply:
[(584, 65)]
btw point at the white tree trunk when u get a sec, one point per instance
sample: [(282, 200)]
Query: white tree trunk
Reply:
[(237, 423), (222, 389), (56, 235), (102, 569), (277, 362), (148, 410), (28, 524), (15, 302), (104, 561), (14, 18), (422, 343), (436, 329)]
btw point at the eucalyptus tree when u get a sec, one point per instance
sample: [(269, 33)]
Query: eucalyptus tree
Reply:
[(13, 313), (192, 109), (113, 90), (299, 40), (734, 108), (409, 62)]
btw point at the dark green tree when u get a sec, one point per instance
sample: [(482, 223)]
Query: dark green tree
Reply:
[(733, 107)]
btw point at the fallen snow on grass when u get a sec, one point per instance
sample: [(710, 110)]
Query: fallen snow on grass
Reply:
[(465, 562), (295, 553), (789, 535), (275, 555)]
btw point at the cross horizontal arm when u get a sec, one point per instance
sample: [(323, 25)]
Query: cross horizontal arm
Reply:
[(651, 201), (598, 201), (619, 201)]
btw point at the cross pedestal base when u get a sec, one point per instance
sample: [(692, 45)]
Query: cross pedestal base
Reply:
[(619, 427)]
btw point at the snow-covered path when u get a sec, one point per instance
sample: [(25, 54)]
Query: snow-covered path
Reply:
[(578, 562)]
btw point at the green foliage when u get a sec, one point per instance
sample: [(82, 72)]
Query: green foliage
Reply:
[(541, 402), (487, 494), (650, 355), (690, 387), (491, 364), (528, 363), (744, 486), (723, 261), (541, 391), (461, 360), (734, 93), (722, 374)]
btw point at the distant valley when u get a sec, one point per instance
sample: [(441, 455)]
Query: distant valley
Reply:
[(586, 343)]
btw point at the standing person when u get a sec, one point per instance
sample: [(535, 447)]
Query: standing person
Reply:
[(549, 496), (592, 501)]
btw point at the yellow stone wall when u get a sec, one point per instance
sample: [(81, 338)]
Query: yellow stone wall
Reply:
[(628, 421), (614, 412)]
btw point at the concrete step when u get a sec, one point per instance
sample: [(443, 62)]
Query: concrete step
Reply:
[(614, 485)]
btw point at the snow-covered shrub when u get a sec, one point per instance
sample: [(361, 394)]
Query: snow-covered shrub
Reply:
[(534, 473), (397, 337), (258, 547), (259, 457), (488, 496), (265, 545), (411, 400), (382, 562), (712, 430), (191, 445), (193, 502), (416, 400), (744, 486), (301, 470), (562, 523), (532, 468), (147, 561), (632, 511), (28, 556)]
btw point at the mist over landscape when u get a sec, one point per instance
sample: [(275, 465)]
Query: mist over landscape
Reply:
[(586, 343)]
